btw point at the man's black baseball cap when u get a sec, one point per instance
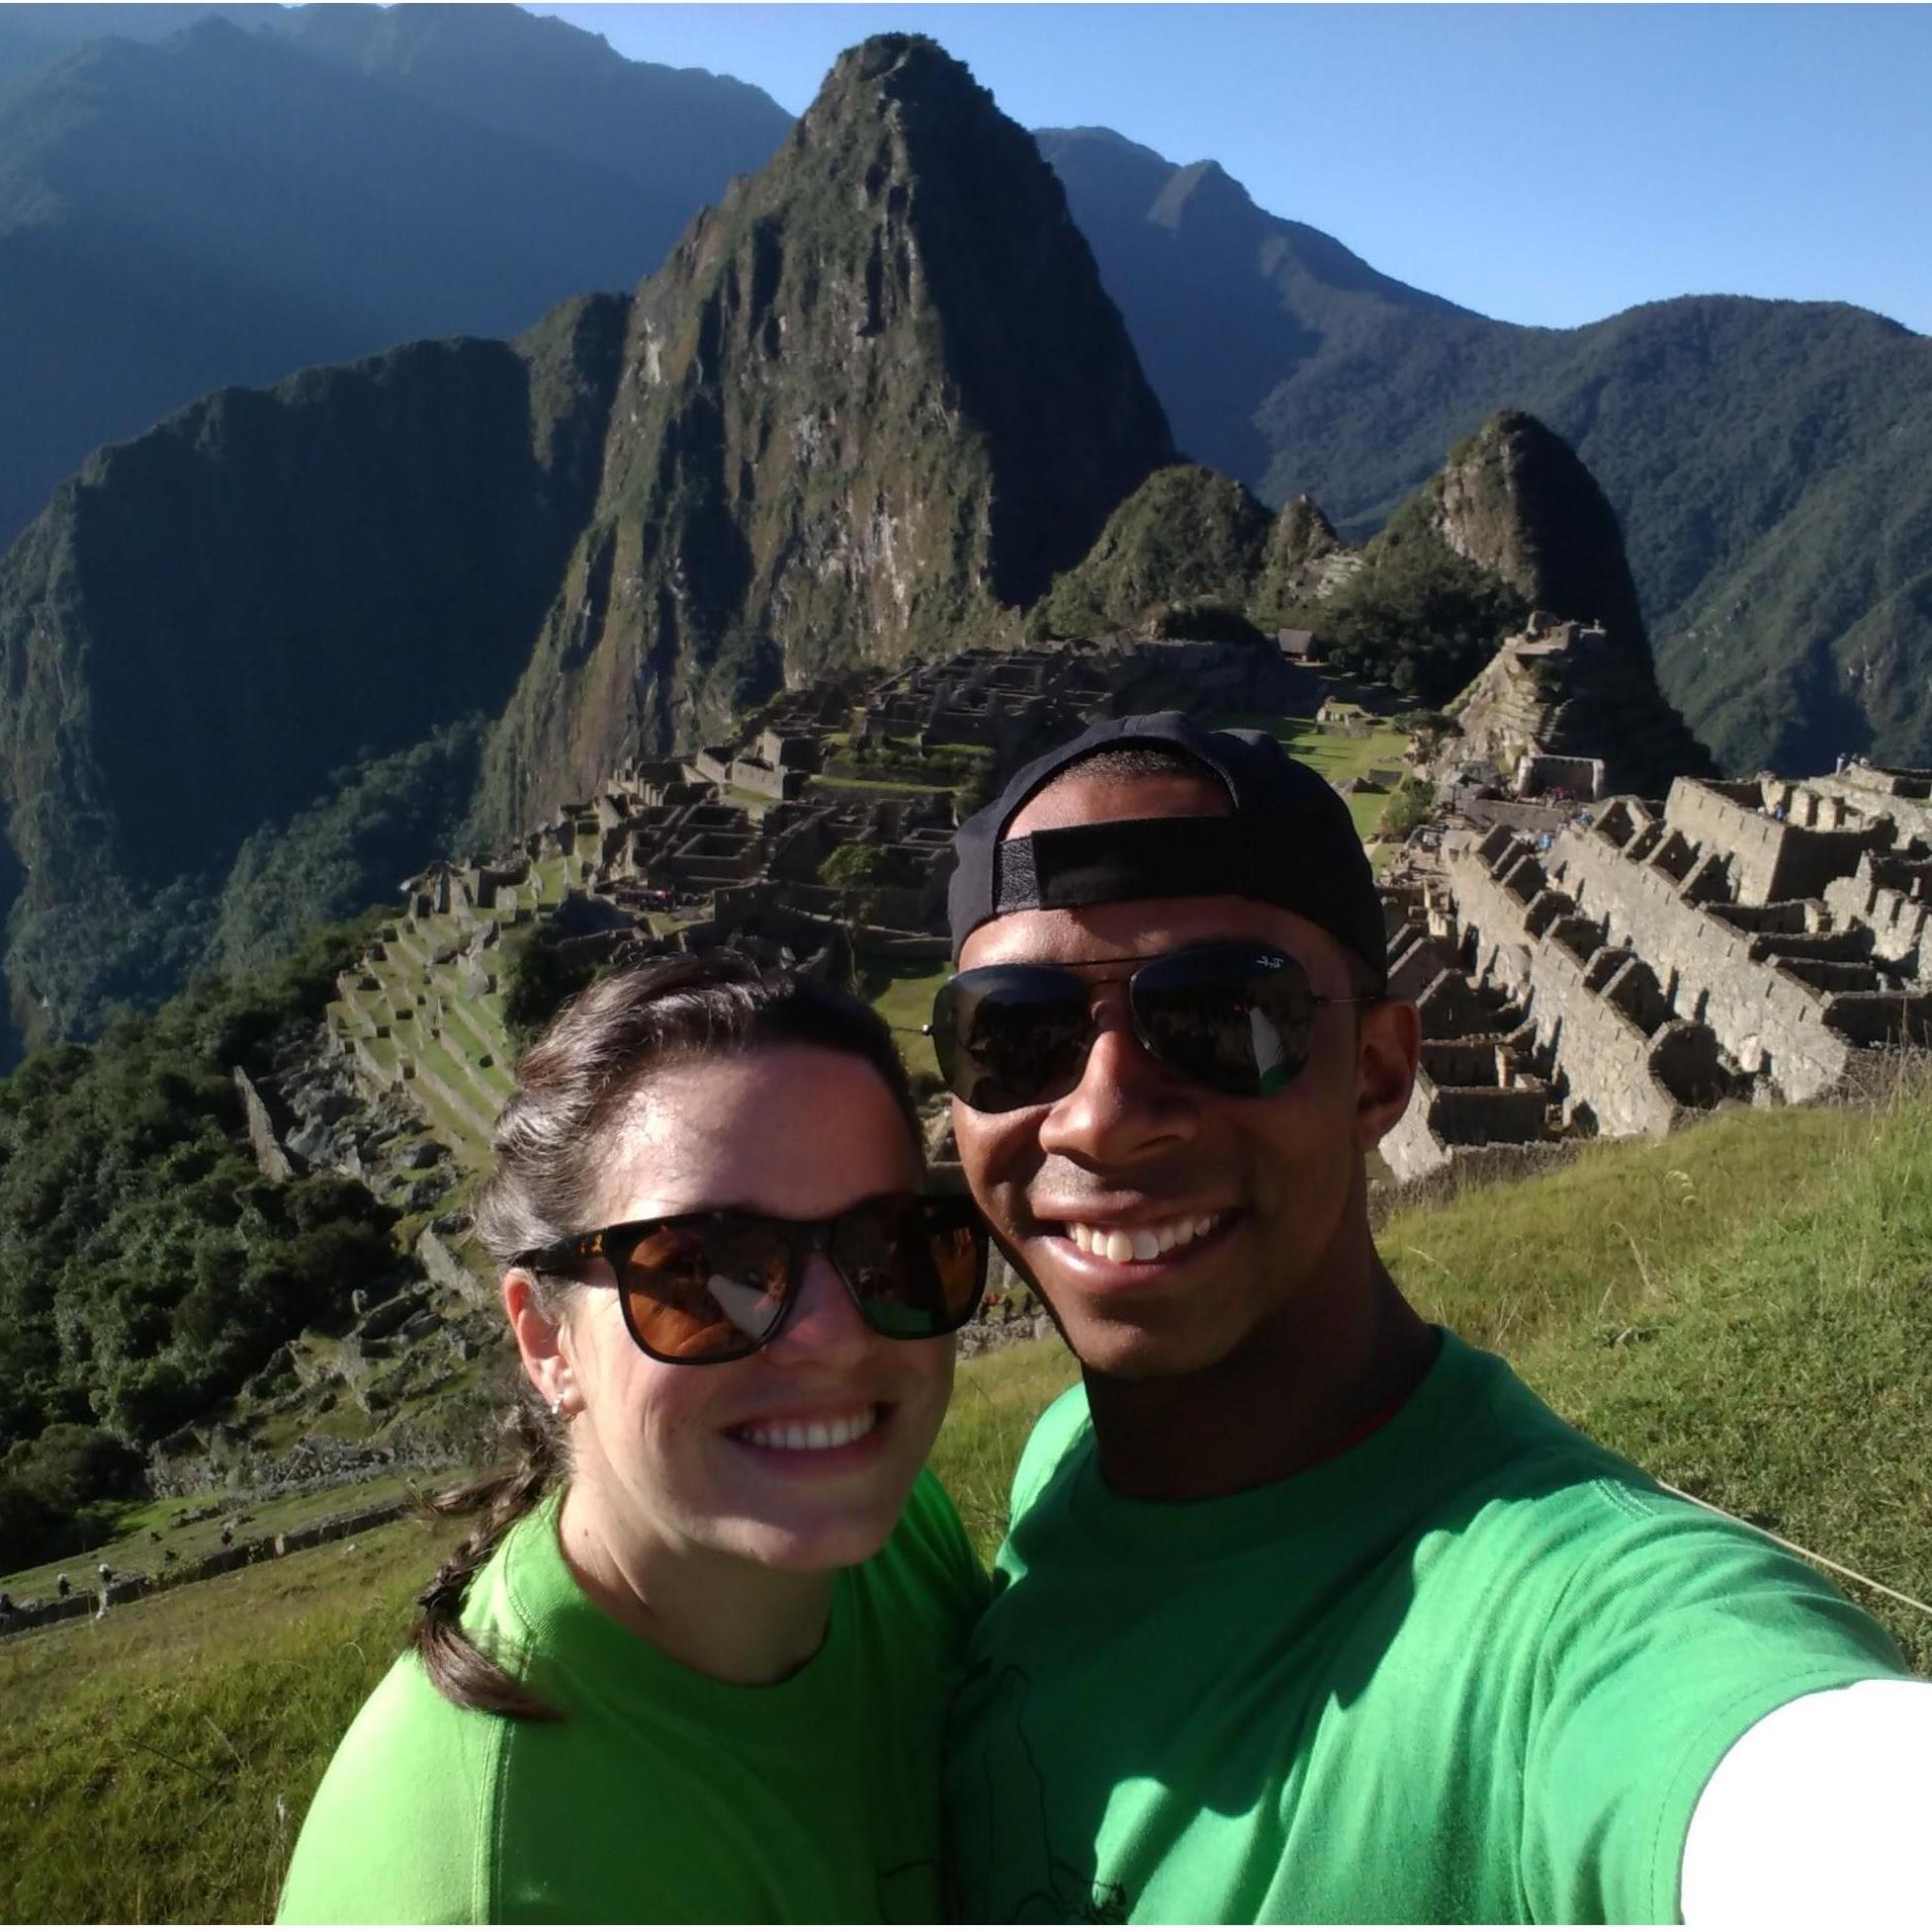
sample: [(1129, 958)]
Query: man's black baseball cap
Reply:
[(1289, 841)]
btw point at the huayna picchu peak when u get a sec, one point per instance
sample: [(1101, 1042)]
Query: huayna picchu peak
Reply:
[(870, 405)]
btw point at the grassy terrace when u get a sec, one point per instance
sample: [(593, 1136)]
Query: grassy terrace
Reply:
[(135, 1546), (885, 787), (901, 993), (161, 1760), (1337, 756)]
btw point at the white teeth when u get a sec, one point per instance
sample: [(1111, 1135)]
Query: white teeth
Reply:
[(830, 1434), (1139, 1244)]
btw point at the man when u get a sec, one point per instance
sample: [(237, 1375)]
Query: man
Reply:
[(1310, 1611)]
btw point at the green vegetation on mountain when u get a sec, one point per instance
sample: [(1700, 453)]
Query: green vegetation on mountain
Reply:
[(283, 187), (845, 435), (148, 1266), (1511, 522), (1770, 461), (1416, 615), (207, 626), (839, 438), (1186, 533), (377, 821)]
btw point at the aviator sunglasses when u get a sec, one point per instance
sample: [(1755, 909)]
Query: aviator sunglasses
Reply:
[(1237, 1019), (718, 1284)]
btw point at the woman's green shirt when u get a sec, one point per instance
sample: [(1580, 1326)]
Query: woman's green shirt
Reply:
[(662, 1793)]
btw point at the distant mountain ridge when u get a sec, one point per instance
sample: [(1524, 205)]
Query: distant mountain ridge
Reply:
[(232, 203), (1770, 461)]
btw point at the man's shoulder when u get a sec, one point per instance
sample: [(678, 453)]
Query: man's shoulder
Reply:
[(1063, 1429)]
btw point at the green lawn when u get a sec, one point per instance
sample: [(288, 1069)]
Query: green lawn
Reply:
[(135, 1547), (901, 993), (1337, 756), (156, 1765), (1745, 1309)]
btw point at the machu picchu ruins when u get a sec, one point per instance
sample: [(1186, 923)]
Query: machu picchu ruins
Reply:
[(1757, 940), (1586, 961)]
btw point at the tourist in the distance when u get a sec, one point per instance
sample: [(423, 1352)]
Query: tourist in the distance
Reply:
[(691, 1662)]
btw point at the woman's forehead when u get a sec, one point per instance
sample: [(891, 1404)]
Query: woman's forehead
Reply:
[(799, 1131)]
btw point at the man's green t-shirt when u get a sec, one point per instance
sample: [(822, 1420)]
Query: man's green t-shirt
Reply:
[(662, 1793), (1473, 1668)]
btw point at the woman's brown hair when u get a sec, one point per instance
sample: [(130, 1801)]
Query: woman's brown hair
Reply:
[(572, 1087)]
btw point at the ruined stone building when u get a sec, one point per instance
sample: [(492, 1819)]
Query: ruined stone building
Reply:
[(1760, 940), (1567, 707)]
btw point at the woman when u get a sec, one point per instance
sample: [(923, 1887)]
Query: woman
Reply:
[(691, 1664)]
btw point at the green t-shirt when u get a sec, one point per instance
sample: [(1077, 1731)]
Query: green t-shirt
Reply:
[(1473, 1668), (663, 1794)]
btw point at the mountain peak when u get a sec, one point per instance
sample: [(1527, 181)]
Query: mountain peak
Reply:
[(874, 400), (1516, 498)]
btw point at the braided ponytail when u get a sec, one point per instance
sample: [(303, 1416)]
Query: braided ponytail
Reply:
[(457, 1666)]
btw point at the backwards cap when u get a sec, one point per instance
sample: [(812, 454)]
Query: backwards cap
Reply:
[(1288, 841)]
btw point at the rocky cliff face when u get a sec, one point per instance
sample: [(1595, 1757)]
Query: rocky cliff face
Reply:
[(212, 620), (1515, 500), (871, 403)]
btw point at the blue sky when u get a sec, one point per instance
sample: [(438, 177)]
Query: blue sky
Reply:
[(1539, 163)]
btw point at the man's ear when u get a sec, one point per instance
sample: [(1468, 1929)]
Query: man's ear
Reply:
[(541, 1341), (1388, 1046)]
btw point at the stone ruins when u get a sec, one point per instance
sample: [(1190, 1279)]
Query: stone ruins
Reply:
[(1760, 940), (821, 837)]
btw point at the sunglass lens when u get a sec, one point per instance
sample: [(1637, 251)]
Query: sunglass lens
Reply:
[(914, 1268), (705, 1291), (1233, 1018), (1011, 1036)]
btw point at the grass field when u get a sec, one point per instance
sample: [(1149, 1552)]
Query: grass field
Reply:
[(901, 993), (1337, 756), (1746, 1310), (135, 1547)]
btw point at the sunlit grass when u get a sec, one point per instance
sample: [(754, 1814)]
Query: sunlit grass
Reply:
[(901, 993)]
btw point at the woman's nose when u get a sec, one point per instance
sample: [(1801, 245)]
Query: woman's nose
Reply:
[(823, 1325)]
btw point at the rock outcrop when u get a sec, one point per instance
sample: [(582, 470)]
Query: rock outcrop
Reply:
[(1567, 706)]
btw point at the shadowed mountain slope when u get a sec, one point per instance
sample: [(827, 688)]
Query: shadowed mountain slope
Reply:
[(871, 404), (209, 620), (225, 206)]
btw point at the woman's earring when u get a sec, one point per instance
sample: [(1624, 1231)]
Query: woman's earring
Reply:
[(556, 1406)]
